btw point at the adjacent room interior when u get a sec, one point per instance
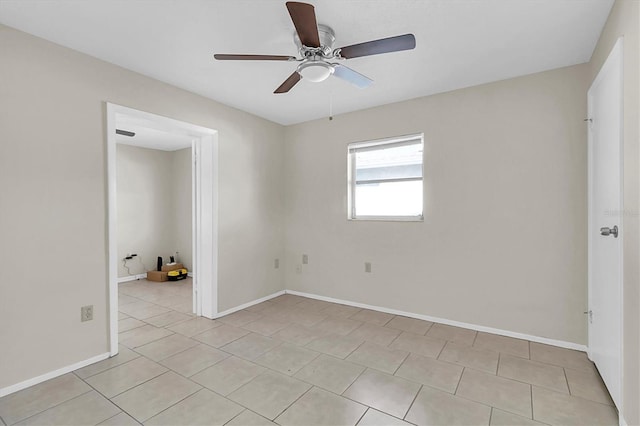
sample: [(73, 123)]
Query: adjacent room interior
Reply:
[(331, 213)]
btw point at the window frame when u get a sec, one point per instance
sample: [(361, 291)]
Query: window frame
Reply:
[(371, 145)]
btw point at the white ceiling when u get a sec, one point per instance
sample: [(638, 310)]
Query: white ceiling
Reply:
[(460, 43), (150, 135)]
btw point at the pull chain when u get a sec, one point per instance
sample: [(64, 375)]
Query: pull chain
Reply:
[(330, 106)]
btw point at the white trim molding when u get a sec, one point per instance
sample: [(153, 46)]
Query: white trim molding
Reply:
[(249, 304), (546, 341), (52, 374)]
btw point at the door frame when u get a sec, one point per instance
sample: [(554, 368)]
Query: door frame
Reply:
[(615, 59), (204, 202)]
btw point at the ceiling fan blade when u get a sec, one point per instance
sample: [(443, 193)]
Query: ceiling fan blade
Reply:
[(226, 57), (353, 77), (376, 47), (303, 16), (289, 83)]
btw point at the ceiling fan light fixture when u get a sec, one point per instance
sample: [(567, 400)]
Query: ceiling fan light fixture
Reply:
[(315, 71)]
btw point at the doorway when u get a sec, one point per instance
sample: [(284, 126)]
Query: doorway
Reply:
[(203, 144), (605, 161)]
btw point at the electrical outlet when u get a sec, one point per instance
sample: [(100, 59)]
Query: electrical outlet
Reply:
[(276, 263), (86, 313), (298, 269), (305, 259), (367, 266)]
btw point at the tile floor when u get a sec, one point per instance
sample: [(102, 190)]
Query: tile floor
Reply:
[(298, 361)]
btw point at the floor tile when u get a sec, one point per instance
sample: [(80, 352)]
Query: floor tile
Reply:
[(305, 317), (122, 419), (249, 418), (202, 408), (287, 358), (142, 309), (495, 391), (194, 326), (467, 356), (313, 305), (503, 418), (375, 334), (251, 346), (240, 318), (228, 375), (124, 355), (336, 345), (342, 326), (561, 357), (453, 334), (376, 418), (142, 335), (319, 407), (434, 407), (288, 299), (124, 299), (194, 359), (166, 347), (378, 357), (89, 408), (122, 315), (560, 409), (431, 372), (410, 325), (260, 306), (298, 334), (220, 336), (587, 385), (390, 394), (154, 396), (269, 394), (35, 399), (184, 307), (503, 344), (374, 317), (340, 311), (421, 345), (129, 324), (533, 372), (169, 318), (330, 373), (266, 326), (118, 379)]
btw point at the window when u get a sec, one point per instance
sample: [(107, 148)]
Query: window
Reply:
[(385, 179)]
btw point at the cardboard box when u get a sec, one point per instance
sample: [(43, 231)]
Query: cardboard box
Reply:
[(158, 276), (167, 268)]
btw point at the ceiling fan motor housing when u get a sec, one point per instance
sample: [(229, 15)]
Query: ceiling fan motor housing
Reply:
[(327, 38)]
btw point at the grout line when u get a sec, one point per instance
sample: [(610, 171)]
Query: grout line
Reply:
[(288, 406), (498, 363), (459, 380), (49, 408), (446, 342), (529, 348), (363, 414), (564, 371), (107, 369), (178, 402), (474, 339), (394, 339), (139, 384), (491, 414), (531, 395), (109, 399), (413, 401), (400, 365)]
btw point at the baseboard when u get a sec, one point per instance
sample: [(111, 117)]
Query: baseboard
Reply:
[(131, 278), (552, 342), (52, 374), (249, 304), (621, 420)]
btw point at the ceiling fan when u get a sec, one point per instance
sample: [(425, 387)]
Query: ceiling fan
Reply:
[(315, 45)]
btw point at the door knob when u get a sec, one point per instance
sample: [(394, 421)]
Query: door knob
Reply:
[(606, 231)]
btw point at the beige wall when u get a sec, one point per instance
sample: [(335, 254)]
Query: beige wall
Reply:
[(154, 207), (503, 243), (53, 221), (624, 21)]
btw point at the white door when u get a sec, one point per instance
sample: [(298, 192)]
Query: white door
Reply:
[(605, 221)]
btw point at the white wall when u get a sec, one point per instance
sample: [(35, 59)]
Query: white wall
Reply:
[(181, 204), (53, 208), (503, 243), (624, 21)]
